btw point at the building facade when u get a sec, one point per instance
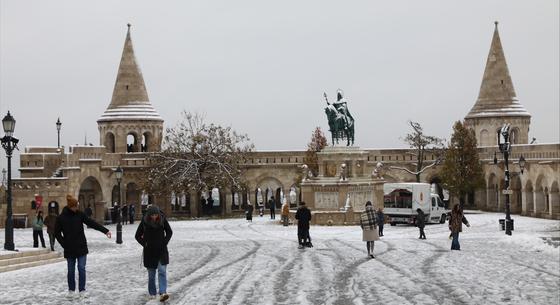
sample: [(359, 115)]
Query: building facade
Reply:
[(130, 129)]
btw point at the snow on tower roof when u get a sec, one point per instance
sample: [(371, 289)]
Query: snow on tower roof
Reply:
[(130, 99), (497, 95)]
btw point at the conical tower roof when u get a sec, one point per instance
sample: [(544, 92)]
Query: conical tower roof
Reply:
[(130, 99), (497, 96)]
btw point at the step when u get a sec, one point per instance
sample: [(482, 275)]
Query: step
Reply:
[(24, 253), (28, 259), (30, 264)]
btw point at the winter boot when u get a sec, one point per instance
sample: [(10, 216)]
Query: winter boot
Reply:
[(164, 297)]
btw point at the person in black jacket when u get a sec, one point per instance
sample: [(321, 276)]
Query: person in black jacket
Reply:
[(303, 215), (272, 206), (249, 212), (153, 234), (421, 222), (69, 232)]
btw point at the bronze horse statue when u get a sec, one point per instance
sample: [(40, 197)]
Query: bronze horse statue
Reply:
[(341, 122)]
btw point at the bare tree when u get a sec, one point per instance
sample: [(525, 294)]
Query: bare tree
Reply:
[(422, 145), (198, 156)]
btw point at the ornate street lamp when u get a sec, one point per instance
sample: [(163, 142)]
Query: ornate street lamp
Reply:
[(9, 143), (119, 174), (58, 125), (505, 148)]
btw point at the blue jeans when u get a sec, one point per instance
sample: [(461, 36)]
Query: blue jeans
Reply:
[(455, 242), (81, 273), (162, 279)]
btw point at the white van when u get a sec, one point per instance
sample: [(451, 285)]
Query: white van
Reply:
[(402, 199)]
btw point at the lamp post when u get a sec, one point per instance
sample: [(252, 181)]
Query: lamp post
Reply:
[(505, 148), (9, 143), (58, 125), (119, 174)]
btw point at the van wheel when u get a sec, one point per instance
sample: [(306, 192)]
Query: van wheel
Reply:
[(443, 218), (393, 224)]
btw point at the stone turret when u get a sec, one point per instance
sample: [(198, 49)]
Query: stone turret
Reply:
[(130, 123), (497, 102)]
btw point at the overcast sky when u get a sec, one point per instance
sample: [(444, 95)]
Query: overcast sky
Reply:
[(262, 66)]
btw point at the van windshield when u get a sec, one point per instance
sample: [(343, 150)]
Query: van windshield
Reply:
[(401, 199)]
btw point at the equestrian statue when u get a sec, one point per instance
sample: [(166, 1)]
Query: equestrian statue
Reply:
[(341, 122)]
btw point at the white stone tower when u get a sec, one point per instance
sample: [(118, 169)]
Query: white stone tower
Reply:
[(130, 123), (497, 102)]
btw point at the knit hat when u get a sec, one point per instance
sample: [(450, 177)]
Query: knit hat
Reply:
[(152, 209), (71, 202)]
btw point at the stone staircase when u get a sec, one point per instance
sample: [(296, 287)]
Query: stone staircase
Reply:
[(19, 260)]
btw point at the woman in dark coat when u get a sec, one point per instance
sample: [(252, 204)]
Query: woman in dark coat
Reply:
[(303, 215), (153, 234), (249, 212), (421, 223), (456, 221)]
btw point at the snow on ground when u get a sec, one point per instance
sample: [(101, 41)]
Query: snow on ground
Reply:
[(235, 262)]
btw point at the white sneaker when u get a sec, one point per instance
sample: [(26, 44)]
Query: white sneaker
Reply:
[(71, 294), (83, 294)]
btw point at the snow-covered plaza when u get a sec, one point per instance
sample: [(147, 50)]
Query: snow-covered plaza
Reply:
[(235, 262)]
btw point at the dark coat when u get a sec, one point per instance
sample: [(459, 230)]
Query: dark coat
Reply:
[(88, 211), (271, 204), (456, 221), (249, 212), (380, 219), (421, 219), (154, 237), (50, 222), (303, 215), (69, 232)]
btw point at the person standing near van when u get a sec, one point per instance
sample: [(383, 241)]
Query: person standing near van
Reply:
[(421, 222), (368, 222), (153, 234), (38, 230), (456, 221)]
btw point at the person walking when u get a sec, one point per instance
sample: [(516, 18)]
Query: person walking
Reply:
[(50, 222), (368, 222), (272, 206), (456, 221), (249, 212), (380, 220), (124, 214), (131, 212), (153, 234), (421, 222), (303, 215), (38, 230), (69, 232), (285, 214)]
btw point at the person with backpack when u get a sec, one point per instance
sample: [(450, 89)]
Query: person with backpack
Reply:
[(69, 232), (153, 234), (303, 215)]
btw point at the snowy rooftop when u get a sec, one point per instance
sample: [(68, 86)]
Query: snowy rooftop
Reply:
[(134, 111)]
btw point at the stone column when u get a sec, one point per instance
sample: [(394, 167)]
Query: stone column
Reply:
[(228, 201), (99, 212), (195, 202), (523, 202)]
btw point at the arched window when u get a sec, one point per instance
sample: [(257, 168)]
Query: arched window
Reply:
[(110, 142), (145, 142), (513, 136), (131, 143), (484, 140)]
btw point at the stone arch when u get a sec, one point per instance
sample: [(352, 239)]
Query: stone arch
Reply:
[(146, 143), (554, 200), (484, 138), (539, 196), (514, 135), (132, 142), (110, 142), (516, 197), (90, 193), (529, 199), (492, 192)]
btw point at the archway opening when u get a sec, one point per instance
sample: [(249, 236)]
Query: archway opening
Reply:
[(90, 193)]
